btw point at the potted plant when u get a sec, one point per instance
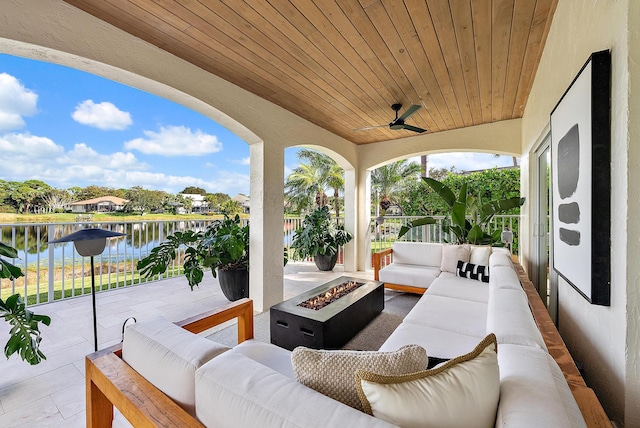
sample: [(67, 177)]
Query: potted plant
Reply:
[(319, 238), (469, 216), (223, 247), (24, 336)]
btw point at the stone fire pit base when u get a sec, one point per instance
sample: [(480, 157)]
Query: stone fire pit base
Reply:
[(330, 327)]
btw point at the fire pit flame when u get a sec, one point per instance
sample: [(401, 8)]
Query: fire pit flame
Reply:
[(321, 300)]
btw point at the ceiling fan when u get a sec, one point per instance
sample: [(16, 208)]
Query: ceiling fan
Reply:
[(399, 122)]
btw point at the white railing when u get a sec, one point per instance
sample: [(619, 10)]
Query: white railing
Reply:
[(384, 231), (56, 272)]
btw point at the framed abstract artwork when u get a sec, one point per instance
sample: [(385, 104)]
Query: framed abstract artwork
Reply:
[(581, 181)]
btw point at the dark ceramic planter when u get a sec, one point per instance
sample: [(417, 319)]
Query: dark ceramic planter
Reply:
[(234, 283), (325, 262)]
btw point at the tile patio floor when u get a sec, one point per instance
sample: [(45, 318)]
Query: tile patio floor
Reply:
[(51, 394)]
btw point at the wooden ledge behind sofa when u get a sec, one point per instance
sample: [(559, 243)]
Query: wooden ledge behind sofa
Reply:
[(110, 382), (592, 411)]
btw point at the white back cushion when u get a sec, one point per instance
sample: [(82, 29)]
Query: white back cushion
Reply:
[(417, 253), (168, 357), (533, 391), (480, 255), (509, 317)]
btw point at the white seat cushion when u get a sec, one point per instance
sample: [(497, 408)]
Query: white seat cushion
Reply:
[(533, 390), (438, 343), (450, 285), (411, 275), (168, 357), (234, 391), (459, 316), (272, 356)]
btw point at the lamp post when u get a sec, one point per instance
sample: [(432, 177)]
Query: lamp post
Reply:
[(90, 243)]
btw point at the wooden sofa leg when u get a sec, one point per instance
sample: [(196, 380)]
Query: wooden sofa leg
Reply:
[(99, 408)]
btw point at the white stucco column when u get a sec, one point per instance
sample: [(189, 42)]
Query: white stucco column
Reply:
[(267, 207), (363, 198), (351, 209)]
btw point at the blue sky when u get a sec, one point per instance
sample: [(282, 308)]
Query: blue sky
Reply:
[(71, 128)]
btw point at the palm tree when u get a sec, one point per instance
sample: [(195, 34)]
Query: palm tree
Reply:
[(390, 179), (306, 185)]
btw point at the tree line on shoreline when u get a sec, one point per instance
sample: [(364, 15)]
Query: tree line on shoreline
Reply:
[(37, 197), (396, 188)]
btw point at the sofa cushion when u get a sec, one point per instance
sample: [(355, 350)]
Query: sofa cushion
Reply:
[(533, 390), (459, 316), (462, 392), (480, 255), (411, 275), (471, 271), (500, 258), (272, 356), (168, 357), (449, 285), (509, 317), (417, 253), (451, 254), (439, 343), (504, 277), (331, 372), (234, 391)]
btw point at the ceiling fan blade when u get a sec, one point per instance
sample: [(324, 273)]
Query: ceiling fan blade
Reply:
[(409, 112), (370, 127), (414, 129)]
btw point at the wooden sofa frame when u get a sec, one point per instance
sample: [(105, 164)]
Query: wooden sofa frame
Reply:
[(110, 382)]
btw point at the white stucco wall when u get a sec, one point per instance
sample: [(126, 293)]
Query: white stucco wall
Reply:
[(599, 337), (632, 352)]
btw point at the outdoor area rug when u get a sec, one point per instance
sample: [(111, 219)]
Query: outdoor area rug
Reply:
[(396, 306)]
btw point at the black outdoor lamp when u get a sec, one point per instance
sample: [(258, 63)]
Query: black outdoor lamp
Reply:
[(90, 243)]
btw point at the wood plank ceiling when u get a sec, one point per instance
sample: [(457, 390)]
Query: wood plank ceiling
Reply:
[(341, 63)]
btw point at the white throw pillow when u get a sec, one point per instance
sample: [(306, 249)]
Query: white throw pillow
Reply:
[(480, 255), (332, 372), (463, 392), (451, 254)]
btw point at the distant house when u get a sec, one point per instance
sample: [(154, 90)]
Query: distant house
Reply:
[(243, 200), (199, 205), (102, 204)]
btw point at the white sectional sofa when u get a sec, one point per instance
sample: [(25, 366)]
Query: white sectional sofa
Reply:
[(253, 384)]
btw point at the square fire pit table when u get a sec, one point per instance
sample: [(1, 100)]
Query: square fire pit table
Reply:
[(332, 326)]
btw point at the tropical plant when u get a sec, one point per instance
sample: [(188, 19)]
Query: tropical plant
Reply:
[(25, 331), (318, 235), (468, 217), (306, 185), (388, 181), (224, 245)]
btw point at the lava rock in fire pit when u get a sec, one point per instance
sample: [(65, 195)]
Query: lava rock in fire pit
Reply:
[(323, 299)]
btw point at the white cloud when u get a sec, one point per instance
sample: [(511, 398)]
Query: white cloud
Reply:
[(15, 146), (175, 141), (245, 161), (104, 115), (39, 158), (464, 161), (81, 154), (16, 101)]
